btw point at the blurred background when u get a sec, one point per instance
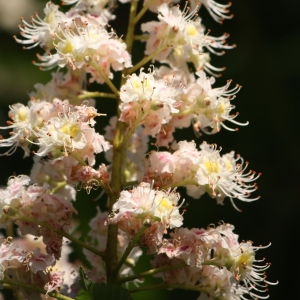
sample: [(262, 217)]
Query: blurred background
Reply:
[(266, 63)]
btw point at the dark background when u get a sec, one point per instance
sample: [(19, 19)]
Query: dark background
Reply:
[(266, 63)]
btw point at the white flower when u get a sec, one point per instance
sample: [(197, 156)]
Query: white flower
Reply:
[(207, 107), (181, 37), (239, 259), (225, 176), (69, 133), (21, 129), (201, 171), (63, 85), (41, 31), (16, 186), (87, 45), (147, 205), (218, 283), (218, 11), (210, 107), (216, 263), (148, 101), (56, 127), (25, 120)]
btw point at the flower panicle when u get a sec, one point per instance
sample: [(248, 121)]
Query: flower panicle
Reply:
[(101, 197)]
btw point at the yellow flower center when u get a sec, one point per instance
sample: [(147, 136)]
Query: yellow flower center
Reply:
[(221, 109), (164, 204), (243, 262), (212, 166), (191, 30), (70, 129), (245, 259), (50, 18), (136, 84), (228, 165), (68, 47), (22, 114)]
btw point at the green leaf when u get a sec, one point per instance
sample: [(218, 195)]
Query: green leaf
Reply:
[(110, 292), (84, 295), (104, 292), (85, 283)]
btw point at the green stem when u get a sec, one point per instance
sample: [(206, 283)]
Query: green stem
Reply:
[(129, 248), (212, 262), (9, 228), (58, 186), (108, 82), (9, 283), (117, 174), (141, 37), (130, 32), (81, 243), (119, 151), (180, 183), (131, 25), (120, 142), (86, 95), (140, 14), (150, 272), (111, 257), (145, 60)]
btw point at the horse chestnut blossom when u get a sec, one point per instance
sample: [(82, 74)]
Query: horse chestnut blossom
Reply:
[(148, 212), (57, 128), (63, 85), (201, 171), (181, 38), (31, 205), (142, 102), (218, 11), (102, 207), (210, 107), (78, 41), (26, 257), (213, 258)]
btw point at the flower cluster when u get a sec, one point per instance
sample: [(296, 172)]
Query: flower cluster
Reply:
[(56, 127), (201, 171), (214, 261), (32, 205), (77, 39), (103, 194), (147, 212), (27, 258)]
